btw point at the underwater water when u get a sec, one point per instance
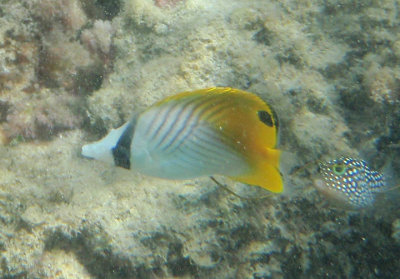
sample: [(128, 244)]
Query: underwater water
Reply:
[(328, 71)]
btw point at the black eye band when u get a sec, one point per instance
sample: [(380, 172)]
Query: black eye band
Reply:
[(122, 151)]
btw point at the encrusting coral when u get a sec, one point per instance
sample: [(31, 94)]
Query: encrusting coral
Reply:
[(166, 3), (383, 84), (41, 116), (50, 45), (71, 50), (98, 38), (71, 70)]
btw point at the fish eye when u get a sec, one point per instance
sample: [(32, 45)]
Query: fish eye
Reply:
[(339, 169)]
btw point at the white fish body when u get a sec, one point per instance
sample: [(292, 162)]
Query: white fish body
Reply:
[(181, 146), (170, 142)]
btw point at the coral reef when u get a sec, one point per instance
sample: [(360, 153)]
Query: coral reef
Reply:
[(49, 45), (166, 3), (74, 50), (42, 116), (368, 80), (122, 225), (71, 70)]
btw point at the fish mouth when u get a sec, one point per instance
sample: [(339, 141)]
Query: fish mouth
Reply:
[(335, 198), (319, 184), (327, 191)]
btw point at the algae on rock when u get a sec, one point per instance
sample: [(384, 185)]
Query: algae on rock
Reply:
[(71, 70)]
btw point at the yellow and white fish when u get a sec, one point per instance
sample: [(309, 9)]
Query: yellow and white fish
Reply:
[(211, 131)]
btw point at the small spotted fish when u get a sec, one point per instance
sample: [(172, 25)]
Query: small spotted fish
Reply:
[(350, 182), (210, 131)]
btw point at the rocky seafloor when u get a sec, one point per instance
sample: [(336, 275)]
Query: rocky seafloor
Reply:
[(72, 70)]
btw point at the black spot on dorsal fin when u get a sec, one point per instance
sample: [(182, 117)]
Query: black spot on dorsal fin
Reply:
[(265, 118)]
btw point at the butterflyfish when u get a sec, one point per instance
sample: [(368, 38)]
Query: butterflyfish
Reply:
[(220, 130), (350, 182)]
